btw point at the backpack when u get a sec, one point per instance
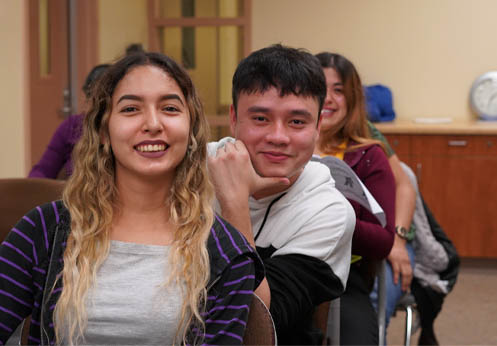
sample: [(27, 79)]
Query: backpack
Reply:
[(379, 103)]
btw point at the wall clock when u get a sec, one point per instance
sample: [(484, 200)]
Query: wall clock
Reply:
[(483, 96)]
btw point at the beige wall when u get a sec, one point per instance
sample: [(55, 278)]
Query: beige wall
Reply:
[(13, 87), (121, 22), (428, 51)]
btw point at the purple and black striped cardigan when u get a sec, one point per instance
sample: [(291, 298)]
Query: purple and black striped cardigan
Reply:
[(31, 259)]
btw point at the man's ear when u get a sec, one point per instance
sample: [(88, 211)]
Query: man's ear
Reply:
[(233, 120)]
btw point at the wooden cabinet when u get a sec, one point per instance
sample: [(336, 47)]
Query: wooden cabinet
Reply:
[(457, 176)]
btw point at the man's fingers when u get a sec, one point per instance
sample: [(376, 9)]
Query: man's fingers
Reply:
[(265, 183)]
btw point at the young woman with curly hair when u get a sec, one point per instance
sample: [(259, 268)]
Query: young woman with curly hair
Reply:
[(133, 254)]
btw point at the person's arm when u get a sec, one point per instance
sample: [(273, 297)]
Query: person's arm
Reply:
[(405, 202), (234, 180), (298, 284), (370, 238), (21, 255), (229, 303), (58, 150)]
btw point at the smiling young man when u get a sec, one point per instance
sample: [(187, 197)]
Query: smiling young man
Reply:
[(287, 207)]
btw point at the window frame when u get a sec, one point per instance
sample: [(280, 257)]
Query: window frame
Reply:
[(156, 22)]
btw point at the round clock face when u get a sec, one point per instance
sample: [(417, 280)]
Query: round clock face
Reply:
[(484, 95)]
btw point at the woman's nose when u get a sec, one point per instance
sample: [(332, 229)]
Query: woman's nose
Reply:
[(152, 121), (329, 98)]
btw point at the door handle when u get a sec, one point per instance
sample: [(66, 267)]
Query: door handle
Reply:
[(65, 111), (458, 143)]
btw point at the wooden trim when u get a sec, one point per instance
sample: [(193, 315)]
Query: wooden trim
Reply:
[(153, 42), (182, 22), (87, 34), (27, 90), (155, 22), (218, 120), (87, 43), (247, 28), (34, 51)]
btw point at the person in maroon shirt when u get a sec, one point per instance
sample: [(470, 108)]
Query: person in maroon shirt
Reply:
[(59, 150), (345, 134)]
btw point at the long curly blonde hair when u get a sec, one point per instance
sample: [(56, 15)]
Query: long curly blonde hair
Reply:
[(91, 197)]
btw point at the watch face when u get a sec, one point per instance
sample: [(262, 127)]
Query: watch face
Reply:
[(484, 95), (401, 231)]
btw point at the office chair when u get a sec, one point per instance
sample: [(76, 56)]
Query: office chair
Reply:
[(406, 303), (20, 195)]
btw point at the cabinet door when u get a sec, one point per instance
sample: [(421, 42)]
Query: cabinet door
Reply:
[(458, 179), (401, 144)]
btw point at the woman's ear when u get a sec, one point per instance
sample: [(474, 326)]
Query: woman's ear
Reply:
[(103, 138)]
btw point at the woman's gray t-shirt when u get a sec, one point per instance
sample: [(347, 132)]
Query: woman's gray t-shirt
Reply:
[(129, 304)]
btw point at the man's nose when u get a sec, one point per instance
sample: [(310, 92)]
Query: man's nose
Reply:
[(278, 134)]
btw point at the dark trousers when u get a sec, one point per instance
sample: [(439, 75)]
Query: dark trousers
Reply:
[(358, 319)]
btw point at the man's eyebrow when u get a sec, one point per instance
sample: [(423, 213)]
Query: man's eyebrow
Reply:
[(139, 98), (303, 112), (258, 109)]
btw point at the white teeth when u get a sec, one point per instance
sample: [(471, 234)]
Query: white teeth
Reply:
[(151, 147)]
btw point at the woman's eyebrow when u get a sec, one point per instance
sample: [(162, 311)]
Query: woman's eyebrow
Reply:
[(171, 97), (129, 97), (139, 98)]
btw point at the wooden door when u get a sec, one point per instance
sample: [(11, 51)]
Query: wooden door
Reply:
[(49, 98), (456, 175), (48, 71)]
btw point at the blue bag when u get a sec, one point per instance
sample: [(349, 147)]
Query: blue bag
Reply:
[(379, 103)]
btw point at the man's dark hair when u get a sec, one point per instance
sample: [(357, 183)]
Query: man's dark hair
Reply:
[(290, 70)]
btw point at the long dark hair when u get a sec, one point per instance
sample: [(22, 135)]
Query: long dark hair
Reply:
[(354, 126)]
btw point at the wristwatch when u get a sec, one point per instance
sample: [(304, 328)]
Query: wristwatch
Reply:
[(402, 232)]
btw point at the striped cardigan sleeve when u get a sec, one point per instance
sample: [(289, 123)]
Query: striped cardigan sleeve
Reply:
[(228, 304), (23, 256), (236, 270)]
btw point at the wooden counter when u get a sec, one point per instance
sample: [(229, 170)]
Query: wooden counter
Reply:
[(456, 127)]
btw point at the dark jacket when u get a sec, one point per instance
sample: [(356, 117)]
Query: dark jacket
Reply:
[(429, 301)]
